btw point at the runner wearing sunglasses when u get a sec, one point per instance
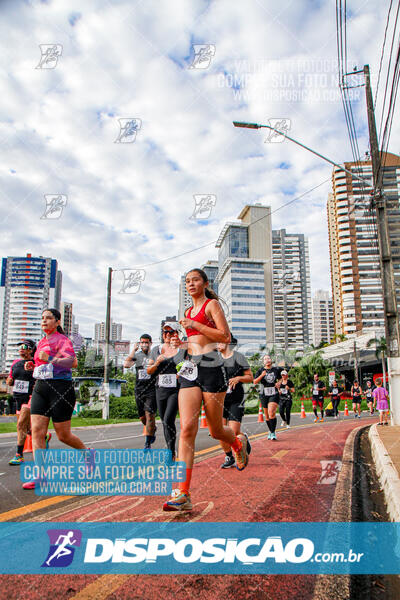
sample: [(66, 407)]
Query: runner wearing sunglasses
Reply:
[(22, 381)]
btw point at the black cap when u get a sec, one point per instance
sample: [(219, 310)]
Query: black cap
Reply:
[(30, 343)]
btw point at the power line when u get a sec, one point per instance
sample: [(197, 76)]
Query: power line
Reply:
[(215, 241), (388, 71), (382, 52)]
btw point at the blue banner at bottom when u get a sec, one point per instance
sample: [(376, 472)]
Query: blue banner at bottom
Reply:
[(201, 548)]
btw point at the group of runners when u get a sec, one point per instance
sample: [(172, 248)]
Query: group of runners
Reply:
[(336, 392), (172, 376)]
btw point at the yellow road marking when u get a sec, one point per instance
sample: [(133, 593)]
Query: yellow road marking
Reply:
[(102, 587), (23, 510), (280, 454)]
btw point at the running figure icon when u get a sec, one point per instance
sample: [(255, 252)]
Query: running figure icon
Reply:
[(62, 542)]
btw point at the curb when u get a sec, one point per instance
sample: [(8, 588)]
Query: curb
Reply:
[(337, 587), (387, 473)]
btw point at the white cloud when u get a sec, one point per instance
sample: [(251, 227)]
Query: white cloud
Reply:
[(129, 204)]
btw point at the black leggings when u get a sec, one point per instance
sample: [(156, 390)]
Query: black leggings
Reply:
[(167, 404), (285, 407), (335, 404)]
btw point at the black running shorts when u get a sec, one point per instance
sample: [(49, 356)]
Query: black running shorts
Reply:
[(265, 400), (234, 411), (146, 401), (211, 374), (53, 398)]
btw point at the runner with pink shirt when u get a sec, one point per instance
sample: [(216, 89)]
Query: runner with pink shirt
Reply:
[(381, 400), (53, 395)]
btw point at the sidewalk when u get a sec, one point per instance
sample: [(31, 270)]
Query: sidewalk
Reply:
[(385, 446)]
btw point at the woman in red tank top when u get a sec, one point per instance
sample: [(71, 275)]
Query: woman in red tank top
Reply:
[(202, 378)]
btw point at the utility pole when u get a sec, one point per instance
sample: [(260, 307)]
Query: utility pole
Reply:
[(106, 383), (392, 329)]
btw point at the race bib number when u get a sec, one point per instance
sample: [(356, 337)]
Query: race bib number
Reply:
[(316, 390), (270, 391), (284, 391), (167, 380), (143, 374), (43, 371), (335, 391), (20, 386), (188, 370)]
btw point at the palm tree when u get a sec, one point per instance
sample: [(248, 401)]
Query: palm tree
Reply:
[(380, 353), (338, 337)]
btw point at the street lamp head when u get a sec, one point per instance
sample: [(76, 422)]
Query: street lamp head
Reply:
[(247, 125)]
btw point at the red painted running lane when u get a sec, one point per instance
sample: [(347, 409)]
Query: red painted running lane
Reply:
[(279, 484)]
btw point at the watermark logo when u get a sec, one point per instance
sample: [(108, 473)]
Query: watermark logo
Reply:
[(285, 281), (203, 55), (281, 127), (55, 204), (132, 280), (50, 54), (128, 129), (203, 205), (63, 543), (330, 471)]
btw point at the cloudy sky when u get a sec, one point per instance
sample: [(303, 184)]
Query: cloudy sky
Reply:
[(130, 196)]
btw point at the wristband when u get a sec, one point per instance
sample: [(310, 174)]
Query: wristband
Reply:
[(50, 359)]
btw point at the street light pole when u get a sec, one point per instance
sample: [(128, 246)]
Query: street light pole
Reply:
[(259, 126), (106, 383)]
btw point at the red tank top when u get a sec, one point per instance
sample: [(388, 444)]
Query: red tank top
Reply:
[(201, 317)]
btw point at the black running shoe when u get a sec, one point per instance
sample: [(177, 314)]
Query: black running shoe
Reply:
[(228, 462)]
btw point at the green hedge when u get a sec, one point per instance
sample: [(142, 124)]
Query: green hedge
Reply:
[(87, 413), (120, 408)]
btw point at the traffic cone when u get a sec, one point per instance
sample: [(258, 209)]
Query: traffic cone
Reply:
[(302, 412), (260, 414), (144, 430), (346, 409), (28, 444), (203, 420)]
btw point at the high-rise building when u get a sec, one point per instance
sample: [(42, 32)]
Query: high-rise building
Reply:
[(67, 318), (100, 332), (355, 267), (245, 275), (322, 313), (28, 285), (292, 290), (184, 298), (211, 270)]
